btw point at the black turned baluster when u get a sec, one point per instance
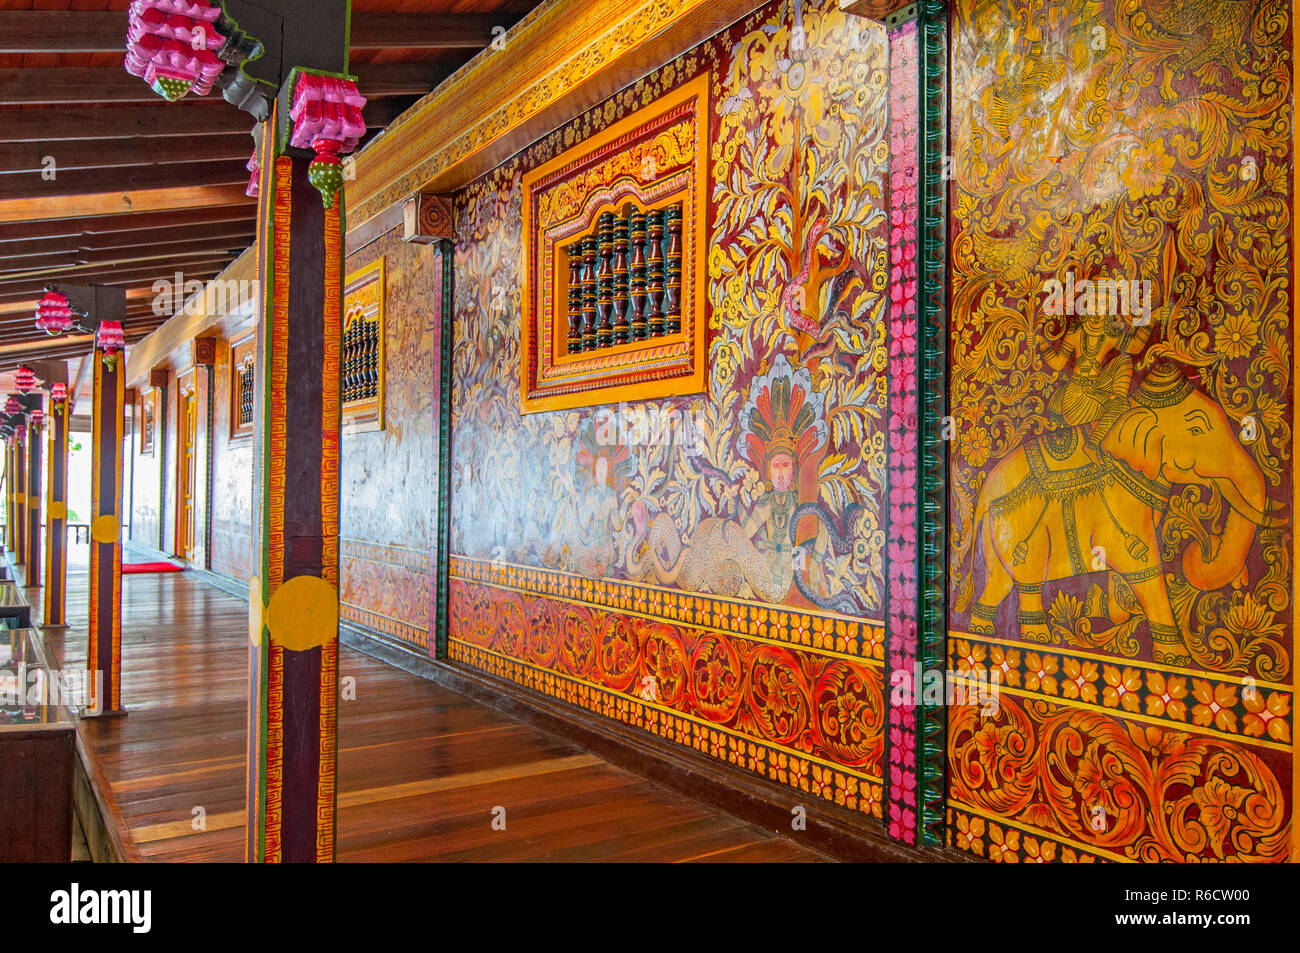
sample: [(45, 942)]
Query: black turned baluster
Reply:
[(370, 381), (574, 338), (350, 362), (589, 249), (636, 235), (621, 327), (605, 282), (655, 273), (673, 288)]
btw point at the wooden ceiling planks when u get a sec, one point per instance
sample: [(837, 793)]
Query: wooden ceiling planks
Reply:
[(143, 186)]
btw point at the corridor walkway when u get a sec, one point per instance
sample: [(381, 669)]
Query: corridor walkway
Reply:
[(421, 768)]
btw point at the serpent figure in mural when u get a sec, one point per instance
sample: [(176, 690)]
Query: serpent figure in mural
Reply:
[(782, 426), (1077, 500)]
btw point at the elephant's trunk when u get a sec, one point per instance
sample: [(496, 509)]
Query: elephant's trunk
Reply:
[(1244, 492)]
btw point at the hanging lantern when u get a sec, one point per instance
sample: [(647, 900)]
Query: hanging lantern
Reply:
[(13, 406), (327, 119), (37, 418), (59, 395), (111, 341), (172, 45), (254, 184), (25, 380), (53, 314)]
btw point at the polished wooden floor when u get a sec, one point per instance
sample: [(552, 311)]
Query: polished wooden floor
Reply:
[(421, 768)]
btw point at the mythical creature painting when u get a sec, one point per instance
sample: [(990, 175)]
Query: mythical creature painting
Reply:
[(1120, 484)]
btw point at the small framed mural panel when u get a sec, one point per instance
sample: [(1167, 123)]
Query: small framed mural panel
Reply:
[(363, 349), (615, 235), (243, 384), (148, 396)]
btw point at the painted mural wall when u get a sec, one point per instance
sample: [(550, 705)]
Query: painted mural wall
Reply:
[(1121, 388), (232, 477), (389, 477), (708, 569)]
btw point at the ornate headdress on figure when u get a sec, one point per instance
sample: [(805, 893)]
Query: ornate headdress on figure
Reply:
[(592, 448), (783, 415)]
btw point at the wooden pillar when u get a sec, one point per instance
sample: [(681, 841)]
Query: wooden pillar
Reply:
[(9, 493), (20, 494), (56, 517), (104, 653), (293, 682), (32, 554)]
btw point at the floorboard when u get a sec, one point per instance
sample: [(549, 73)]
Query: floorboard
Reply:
[(421, 768)]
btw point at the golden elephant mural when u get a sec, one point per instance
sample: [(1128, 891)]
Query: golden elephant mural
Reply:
[(1077, 500)]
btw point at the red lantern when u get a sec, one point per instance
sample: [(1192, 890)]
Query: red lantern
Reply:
[(111, 341), (38, 418), (172, 44), (59, 394), (53, 315), (326, 116), (13, 406), (25, 381)]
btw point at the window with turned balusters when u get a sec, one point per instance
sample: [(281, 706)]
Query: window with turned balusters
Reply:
[(243, 385), (361, 360), (625, 279), (615, 276)]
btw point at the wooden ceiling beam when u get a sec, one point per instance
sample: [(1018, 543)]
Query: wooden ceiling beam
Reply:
[(133, 295), (103, 231), (59, 31), (128, 178), (199, 244), (69, 154), (21, 86), (210, 116), (28, 291), (126, 244), (44, 207)]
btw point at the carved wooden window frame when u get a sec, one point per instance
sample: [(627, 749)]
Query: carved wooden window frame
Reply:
[(148, 419), (655, 158), (363, 301), (243, 359)]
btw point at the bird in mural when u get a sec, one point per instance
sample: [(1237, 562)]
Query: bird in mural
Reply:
[(1211, 29), (1021, 92), (794, 297), (1010, 257)]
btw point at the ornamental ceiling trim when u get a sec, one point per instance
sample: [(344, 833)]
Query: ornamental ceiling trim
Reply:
[(496, 104)]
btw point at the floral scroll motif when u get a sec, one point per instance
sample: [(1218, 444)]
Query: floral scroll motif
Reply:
[(1137, 791)]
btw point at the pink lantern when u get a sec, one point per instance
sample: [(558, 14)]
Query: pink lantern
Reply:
[(172, 45), (25, 380), (38, 418), (111, 341), (59, 397), (13, 406), (254, 183), (53, 315), (326, 114)]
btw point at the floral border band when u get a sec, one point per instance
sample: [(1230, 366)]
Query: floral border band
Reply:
[(819, 631), (1253, 711)]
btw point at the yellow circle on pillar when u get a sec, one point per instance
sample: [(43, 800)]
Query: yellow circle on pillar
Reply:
[(106, 529), (256, 612), (303, 614), (57, 511)]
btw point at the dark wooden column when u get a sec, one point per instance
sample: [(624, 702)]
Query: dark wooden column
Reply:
[(56, 517), (32, 554), (20, 492), (293, 672), (104, 652), (10, 440)]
